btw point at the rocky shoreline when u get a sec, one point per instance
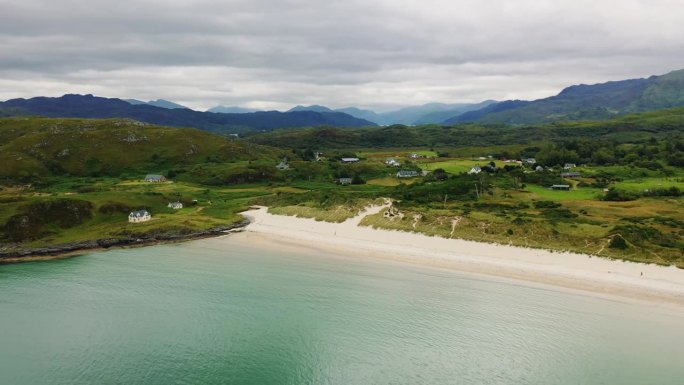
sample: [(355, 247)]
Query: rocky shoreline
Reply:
[(72, 248)]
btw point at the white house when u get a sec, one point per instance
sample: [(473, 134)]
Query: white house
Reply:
[(344, 181), (475, 170), (283, 165), (392, 162), (349, 160), (568, 166), (139, 216), (175, 205)]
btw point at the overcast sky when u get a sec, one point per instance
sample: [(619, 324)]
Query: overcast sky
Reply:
[(372, 53)]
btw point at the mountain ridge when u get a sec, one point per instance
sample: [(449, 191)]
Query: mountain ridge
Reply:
[(583, 101), (89, 106), (157, 103)]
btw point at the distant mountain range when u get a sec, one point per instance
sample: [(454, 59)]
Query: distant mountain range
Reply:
[(579, 102), (157, 103), (586, 102), (89, 106), (232, 110), (423, 114)]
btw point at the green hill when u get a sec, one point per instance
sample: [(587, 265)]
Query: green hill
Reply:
[(629, 128), (584, 102), (42, 147)]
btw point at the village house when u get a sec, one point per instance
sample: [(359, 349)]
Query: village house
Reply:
[(139, 216), (539, 169), (154, 178), (563, 187), (175, 205), (475, 170), (283, 165), (572, 174), (530, 161), (345, 181), (407, 174), (349, 160), (569, 166), (392, 162)]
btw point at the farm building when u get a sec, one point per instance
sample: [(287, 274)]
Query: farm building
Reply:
[(349, 160), (563, 187), (155, 178), (344, 181), (175, 205), (139, 216)]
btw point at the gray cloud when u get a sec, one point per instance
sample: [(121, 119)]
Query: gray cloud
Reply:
[(273, 54)]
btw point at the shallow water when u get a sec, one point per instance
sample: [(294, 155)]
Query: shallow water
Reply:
[(212, 312)]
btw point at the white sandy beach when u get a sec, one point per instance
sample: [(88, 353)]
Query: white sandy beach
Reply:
[(575, 271)]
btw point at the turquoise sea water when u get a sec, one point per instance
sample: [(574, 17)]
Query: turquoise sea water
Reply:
[(210, 312)]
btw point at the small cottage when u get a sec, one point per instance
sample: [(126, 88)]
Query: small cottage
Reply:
[(475, 170), (283, 165), (530, 161), (349, 160), (345, 181), (392, 162), (563, 187), (175, 205), (154, 178), (139, 216), (407, 174), (569, 166)]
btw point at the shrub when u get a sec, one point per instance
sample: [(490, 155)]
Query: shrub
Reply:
[(616, 195), (546, 205), (617, 242)]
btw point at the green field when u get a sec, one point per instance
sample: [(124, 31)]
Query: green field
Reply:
[(545, 193), (454, 166)]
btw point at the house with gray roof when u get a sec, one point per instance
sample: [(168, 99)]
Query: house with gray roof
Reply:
[(571, 174), (154, 178), (407, 174), (139, 216)]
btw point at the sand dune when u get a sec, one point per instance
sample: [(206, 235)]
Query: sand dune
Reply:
[(575, 271)]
